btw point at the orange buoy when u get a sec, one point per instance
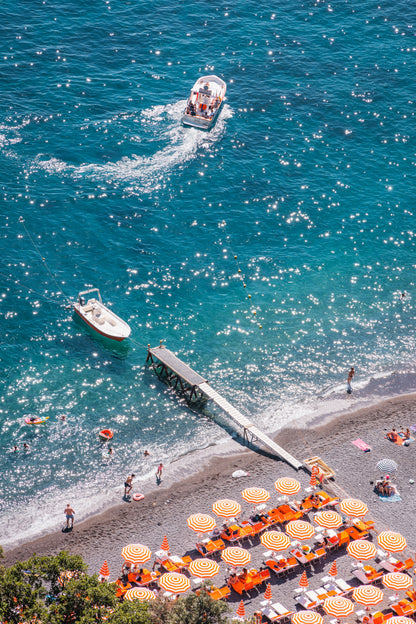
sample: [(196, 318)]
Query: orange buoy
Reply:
[(106, 434)]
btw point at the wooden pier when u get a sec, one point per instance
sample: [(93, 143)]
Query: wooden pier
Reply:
[(181, 377)]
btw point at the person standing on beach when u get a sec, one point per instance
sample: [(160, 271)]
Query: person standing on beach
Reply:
[(69, 512), (159, 471), (128, 485), (349, 380)]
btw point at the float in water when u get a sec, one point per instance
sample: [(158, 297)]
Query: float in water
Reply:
[(106, 434), (36, 420)]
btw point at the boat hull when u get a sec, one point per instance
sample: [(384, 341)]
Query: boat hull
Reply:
[(205, 102), (103, 332)]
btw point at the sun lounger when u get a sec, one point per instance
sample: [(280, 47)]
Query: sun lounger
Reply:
[(355, 534), (332, 587), (306, 602), (283, 612), (343, 585), (221, 593), (238, 586), (270, 614)]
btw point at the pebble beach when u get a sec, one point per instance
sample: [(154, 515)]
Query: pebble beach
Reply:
[(165, 509)]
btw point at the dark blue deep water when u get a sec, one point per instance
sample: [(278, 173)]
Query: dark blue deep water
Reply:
[(308, 178)]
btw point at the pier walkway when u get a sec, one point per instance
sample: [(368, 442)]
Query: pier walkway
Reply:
[(180, 376)]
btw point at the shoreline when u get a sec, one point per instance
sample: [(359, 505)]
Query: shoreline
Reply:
[(164, 510)]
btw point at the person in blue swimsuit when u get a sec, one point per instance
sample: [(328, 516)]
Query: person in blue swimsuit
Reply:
[(69, 512)]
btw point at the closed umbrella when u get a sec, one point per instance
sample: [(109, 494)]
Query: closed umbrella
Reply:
[(333, 571), (391, 541), (204, 568), (307, 617), (236, 556), (275, 540), (105, 570), (139, 593), (241, 612), (268, 593), (136, 553), (226, 508), (165, 545), (303, 581), (312, 481), (174, 582), (201, 523), (255, 495), (367, 595)]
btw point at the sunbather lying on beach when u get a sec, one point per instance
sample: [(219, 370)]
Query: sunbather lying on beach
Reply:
[(392, 435), (405, 434)]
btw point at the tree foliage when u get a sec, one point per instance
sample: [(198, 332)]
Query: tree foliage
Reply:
[(57, 590)]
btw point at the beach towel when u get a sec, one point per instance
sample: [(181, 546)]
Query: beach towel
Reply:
[(412, 427), (401, 441), (361, 445), (390, 499)]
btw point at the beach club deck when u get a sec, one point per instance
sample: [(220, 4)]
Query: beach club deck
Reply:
[(193, 386)]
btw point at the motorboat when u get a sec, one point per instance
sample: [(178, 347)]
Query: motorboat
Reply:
[(204, 103), (102, 320)]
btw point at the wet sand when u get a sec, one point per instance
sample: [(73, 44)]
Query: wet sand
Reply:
[(164, 511)]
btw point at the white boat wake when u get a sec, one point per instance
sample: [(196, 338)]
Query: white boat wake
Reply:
[(160, 125)]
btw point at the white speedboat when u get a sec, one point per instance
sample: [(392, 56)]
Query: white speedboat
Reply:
[(204, 103), (99, 317)]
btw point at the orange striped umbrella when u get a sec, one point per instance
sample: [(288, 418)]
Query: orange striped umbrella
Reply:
[(255, 495), (104, 570), (401, 619), (275, 540), (204, 568), (328, 519), (165, 545), (391, 541), (353, 507), (338, 606), (361, 549), (333, 569), (241, 612), (174, 582), (201, 523), (136, 553), (303, 581), (367, 595), (236, 556), (312, 482), (287, 485), (139, 593), (299, 529), (268, 592), (226, 508), (307, 617), (397, 580)]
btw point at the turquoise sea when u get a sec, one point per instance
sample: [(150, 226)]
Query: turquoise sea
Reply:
[(270, 253)]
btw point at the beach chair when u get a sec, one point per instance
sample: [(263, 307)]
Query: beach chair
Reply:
[(408, 563), (283, 612), (344, 538), (343, 585), (221, 593), (355, 534), (270, 614), (264, 575), (238, 586)]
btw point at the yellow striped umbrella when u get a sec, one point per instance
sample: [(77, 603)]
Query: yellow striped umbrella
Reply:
[(255, 495), (299, 529), (275, 540), (236, 556), (241, 612), (367, 595), (338, 606), (353, 507), (328, 519), (139, 593), (201, 523), (361, 550), (226, 508), (204, 568), (136, 553), (287, 485), (174, 582), (391, 541), (307, 617)]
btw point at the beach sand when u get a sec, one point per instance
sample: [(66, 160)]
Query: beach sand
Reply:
[(164, 511)]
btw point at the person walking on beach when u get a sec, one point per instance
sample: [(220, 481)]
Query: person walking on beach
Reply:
[(128, 485), (69, 512), (159, 472), (349, 380)]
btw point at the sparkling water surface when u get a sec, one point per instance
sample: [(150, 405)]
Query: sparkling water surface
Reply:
[(270, 253)]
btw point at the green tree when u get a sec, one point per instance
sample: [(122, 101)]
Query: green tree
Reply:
[(83, 600), (200, 609), (134, 612), (51, 570), (21, 594)]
